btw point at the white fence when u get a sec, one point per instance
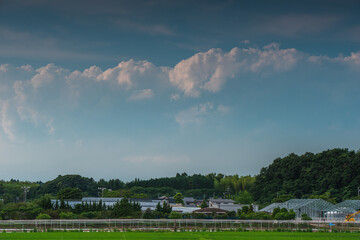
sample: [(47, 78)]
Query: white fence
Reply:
[(172, 224)]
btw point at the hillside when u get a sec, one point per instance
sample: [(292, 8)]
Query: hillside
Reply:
[(335, 173)]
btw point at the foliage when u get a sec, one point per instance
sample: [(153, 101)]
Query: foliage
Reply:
[(179, 198), (69, 193), (175, 215), (45, 202), (243, 197), (86, 185), (336, 171), (305, 217), (67, 215), (124, 208), (18, 211), (89, 215), (204, 204), (282, 198), (326, 196), (165, 208), (180, 182), (43, 216), (283, 214), (148, 214), (234, 184)]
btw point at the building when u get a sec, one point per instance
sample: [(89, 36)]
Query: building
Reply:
[(210, 211), (314, 208), (349, 207), (229, 205), (189, 202), (220, 202)]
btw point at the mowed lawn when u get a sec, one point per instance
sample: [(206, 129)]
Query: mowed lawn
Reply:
[(180, 235)]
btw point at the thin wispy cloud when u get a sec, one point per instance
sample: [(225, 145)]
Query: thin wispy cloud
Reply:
[(152, 29), (141, 94)]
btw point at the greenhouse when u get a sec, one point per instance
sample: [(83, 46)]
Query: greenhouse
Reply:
[(314, 208), (350, 204)]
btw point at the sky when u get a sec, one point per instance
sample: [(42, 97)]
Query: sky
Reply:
[(146, 89)]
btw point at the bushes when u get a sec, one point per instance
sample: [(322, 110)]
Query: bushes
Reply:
[(175, 215), (43, 216), (148, 214), (67, 215), (283, 214), (305, 217), (88, 215)]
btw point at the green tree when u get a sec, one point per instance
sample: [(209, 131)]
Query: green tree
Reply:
[(204, 204), (179, 198), (148, 214), (45, 202), (175, 215), (282, 198), (125, 209), (70, 193), (243, 197), (43, 216)]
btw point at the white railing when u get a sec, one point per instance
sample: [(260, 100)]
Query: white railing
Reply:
[(174, 224)]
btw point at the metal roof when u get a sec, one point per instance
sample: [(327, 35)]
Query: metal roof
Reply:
[(316, 204), (220, 200), (355, 204)]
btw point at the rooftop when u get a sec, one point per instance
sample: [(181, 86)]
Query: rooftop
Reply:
[(220, 200)]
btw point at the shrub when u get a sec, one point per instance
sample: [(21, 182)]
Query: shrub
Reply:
[(175, 215), (148, 214), (88, 215), (43, 216), (67, 215), (305, 217)]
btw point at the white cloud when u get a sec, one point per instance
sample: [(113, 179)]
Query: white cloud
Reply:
[(27, 68), (51, 128), (37, 95), (197, 114), (6, 122), (4, 67), (209, 71), (46, 75), (141, 94), (129, 72), (91, 73), (353, 60), (175, 97)]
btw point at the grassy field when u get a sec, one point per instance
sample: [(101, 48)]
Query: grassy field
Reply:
[(180, 235)]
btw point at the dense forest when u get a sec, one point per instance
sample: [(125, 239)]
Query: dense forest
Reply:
[(333, 175), (76, 186)]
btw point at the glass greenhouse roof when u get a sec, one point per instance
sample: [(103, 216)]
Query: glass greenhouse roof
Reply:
[(315, 204), (355, 204)]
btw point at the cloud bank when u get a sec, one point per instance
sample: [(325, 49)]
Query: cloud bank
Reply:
[(36, 96)]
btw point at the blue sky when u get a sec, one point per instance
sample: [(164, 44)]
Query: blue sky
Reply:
[(125, 89)]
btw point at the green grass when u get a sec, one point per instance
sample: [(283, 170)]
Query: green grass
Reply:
[(180, 235)]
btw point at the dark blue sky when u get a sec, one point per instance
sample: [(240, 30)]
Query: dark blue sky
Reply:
[(143, 89)]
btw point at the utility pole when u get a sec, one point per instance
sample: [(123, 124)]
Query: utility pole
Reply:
[(358, 191), (26, 190), (102, 190)]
